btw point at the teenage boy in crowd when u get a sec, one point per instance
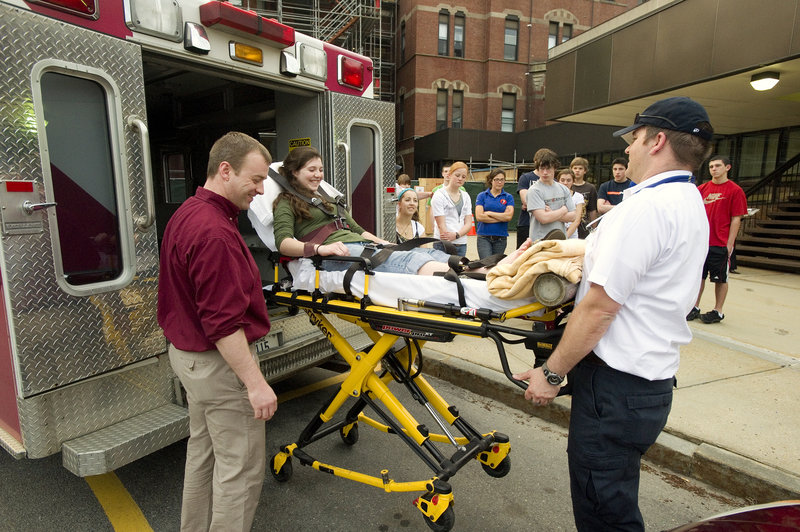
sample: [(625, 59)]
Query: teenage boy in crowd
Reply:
[(580, 167), (725, 204), (549, 202), (610, 193)]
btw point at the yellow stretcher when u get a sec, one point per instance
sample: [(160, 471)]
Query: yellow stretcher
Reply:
[(398, 335)]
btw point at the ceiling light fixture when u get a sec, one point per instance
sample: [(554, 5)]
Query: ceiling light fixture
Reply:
[(764, 81)]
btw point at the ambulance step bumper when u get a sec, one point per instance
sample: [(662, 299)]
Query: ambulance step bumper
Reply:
[(10, 444), (126, 441)]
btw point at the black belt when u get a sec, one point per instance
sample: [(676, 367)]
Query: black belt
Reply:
[(593, 359), (492, 237)]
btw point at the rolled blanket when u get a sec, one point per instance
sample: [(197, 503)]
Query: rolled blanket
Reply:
[(514, 280)]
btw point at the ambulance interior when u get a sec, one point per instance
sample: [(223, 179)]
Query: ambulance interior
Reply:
[(187, 110)]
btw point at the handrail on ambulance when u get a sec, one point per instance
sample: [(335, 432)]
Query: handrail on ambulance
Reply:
[(344, 146), (143, 223)]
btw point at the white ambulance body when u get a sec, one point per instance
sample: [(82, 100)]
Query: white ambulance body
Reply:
[(107, 111)]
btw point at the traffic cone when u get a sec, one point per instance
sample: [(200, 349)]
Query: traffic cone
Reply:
[(472, 229)]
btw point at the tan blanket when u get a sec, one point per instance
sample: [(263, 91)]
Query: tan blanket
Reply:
[(514, 280)]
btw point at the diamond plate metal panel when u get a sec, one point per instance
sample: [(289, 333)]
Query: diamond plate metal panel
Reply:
[(52, 418), (61, 339), (129, 440), (343, 109)]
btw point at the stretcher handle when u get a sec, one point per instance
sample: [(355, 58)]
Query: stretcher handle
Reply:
[(501, 351)]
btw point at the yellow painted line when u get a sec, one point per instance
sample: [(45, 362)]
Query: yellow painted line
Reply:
[(117, 503), (311, 388)]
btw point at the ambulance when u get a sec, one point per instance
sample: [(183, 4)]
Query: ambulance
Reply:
[(108, 109)]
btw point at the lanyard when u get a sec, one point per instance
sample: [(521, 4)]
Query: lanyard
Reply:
[(685, 178)]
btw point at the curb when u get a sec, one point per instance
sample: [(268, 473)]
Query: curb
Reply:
[(731, 472)]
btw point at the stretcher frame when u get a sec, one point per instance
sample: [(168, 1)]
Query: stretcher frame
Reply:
[(398, 336)]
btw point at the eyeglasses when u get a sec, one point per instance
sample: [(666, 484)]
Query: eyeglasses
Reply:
[(664, 118), (499, 179)]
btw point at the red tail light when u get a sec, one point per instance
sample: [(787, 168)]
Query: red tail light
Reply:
[(351, 72)]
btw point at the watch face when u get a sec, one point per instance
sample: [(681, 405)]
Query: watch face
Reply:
[(554, 379)]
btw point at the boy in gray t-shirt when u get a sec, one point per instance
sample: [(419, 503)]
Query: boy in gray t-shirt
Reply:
[(550, 203)]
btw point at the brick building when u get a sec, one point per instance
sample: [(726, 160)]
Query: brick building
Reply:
[(479, 65)]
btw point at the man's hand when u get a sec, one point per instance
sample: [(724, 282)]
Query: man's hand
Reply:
[(263, 400), (539, 392)]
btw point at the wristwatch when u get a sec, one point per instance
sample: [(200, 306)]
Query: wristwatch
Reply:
[(553, 378)]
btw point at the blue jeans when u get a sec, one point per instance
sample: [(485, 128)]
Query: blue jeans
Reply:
[(491, 245), (408, 262)]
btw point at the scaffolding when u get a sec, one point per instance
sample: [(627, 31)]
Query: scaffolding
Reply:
[(366, 27)]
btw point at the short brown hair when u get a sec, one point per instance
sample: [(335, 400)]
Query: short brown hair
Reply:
[(689, 149), (542, 153), (579, 161), (233, 147), (548, 159)]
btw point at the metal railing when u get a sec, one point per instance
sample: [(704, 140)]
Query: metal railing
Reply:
[(768, 193)]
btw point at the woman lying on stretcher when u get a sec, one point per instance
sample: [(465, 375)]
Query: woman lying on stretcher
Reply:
[(303, 229)]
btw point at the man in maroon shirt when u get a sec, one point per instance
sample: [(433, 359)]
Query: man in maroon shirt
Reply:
[(212, 309)]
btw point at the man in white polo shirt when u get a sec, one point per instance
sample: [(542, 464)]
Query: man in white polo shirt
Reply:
[(640, 278)]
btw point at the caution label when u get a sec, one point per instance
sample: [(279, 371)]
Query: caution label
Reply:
[(296, 143)]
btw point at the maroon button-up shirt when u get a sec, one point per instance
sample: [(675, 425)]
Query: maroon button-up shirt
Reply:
[(209, 285)]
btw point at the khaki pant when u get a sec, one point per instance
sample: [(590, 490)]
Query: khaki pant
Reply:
[(226, 452)]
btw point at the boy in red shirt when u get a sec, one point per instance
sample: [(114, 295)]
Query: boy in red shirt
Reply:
[(725, 204)]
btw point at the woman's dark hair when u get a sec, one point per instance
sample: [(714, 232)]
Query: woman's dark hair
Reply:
[(494, 173), (293, 162)]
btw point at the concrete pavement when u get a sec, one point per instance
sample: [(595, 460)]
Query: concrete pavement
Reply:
[(735, 420)]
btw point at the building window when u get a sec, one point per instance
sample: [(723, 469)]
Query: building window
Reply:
[(441, 109), (444, 32), (402, 42), (566, 32), (511, 39), (509, 108), (458, 109), (552, 38), (458, 35)]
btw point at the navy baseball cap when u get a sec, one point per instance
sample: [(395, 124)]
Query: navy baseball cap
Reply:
[(678, 113)]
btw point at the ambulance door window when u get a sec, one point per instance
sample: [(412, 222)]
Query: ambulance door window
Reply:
[(175, 170), (362, 177), (84, 184)]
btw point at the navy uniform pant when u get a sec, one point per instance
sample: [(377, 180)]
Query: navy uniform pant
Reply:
[(615, 418)]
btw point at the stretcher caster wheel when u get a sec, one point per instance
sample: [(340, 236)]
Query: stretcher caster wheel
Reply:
[(501, 470), (349, 434), (285, 472), (444, 523)]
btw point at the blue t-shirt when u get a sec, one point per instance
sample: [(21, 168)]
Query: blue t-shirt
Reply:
[(524, 183), (492, 203), (611, 191)]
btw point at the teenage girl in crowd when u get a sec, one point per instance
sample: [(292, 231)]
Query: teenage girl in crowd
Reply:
[(494, 207), (452, 211), (407, 221), (567, 178)]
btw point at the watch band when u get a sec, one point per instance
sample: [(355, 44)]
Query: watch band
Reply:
[(553, 378)]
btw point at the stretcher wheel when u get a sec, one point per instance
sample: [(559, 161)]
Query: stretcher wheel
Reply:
[(501, 470), (351, 436), (286, 471), (444, 523)]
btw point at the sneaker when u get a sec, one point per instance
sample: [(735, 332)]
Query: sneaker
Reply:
[(736, 272), (693, 314), (712, 316)]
